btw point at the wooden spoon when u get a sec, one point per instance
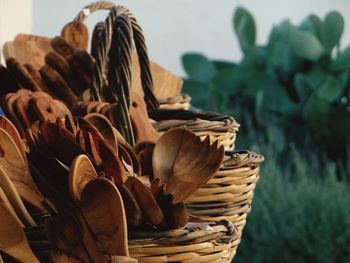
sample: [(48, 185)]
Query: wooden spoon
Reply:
[(103, 209), (13, 240), (105, 128), (111, 164), (15, 200), (183, 162), (132, 209), (16, 168), (62, 47), (7, 125), (82, 171), (143, 129), (76, 34), (145, 200), (4, 200)]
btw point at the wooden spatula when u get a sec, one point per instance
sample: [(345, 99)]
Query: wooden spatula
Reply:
[(76, 33), (12, 162), (13, 240), (103, 209)]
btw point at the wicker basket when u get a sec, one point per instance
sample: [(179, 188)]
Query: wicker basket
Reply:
[(181, 102), (229, 194), (223, 128), (198, 242)]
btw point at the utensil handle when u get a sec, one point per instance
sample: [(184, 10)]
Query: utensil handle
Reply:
[(121, 259)]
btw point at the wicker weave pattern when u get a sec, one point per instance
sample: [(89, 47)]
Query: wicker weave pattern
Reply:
[(229, 194)]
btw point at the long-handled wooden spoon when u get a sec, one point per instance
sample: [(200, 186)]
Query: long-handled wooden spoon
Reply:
[(16, 168), (103, 209), (13, 240)]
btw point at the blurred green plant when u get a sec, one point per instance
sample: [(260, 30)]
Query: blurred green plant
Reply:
[(299, 212), (299, 81)]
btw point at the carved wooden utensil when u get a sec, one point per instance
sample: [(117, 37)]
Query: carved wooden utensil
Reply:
[(183, 162), (15, 200), (4, 200), (82, 171), (7, 125), (76, 34), (13, 240), (145, 200), (103, 209), (16, 168), (132, 209), (143, 129), (105, 128), (28, 49)]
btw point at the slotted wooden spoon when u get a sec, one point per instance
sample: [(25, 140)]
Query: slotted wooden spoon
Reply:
[(183, 162)]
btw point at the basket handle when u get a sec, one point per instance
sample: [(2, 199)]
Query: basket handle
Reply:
[(91, 8)]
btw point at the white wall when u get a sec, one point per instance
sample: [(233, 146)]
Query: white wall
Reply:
[(15, 17), (173, 27)]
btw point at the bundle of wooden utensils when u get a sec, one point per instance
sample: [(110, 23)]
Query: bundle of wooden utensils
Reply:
[(85, 174)]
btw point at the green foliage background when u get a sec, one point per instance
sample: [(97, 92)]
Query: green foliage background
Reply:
[(292, 98)]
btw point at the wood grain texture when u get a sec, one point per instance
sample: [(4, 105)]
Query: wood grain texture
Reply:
[(13, 240), (16, 168), (103, 209)]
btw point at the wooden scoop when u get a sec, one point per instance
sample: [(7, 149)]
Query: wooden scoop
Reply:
[(13, 240), (7, 125), (76, 34), (103, 209), (82, 171), (12, 162), (142, 126), (183, 162), (132, 209)]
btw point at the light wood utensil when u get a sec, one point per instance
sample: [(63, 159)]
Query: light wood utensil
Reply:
[(13, 240), (16, 168), (143, 129), (103, 209), (105, 128), (183, 162), (28, 49), (4, 200), (82, 171), (165, 83), (76, 34), (8, 126)]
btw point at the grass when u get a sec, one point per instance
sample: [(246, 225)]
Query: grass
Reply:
[(301, 211)]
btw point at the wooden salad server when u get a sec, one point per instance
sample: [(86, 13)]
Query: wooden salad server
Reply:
[(13, 240), (183, 162), (103, 210), (16, 168)]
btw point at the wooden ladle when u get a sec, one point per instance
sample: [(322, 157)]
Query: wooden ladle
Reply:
[(82, 171), (103, 209), (183, 162), (16, 168), (13, 240)]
